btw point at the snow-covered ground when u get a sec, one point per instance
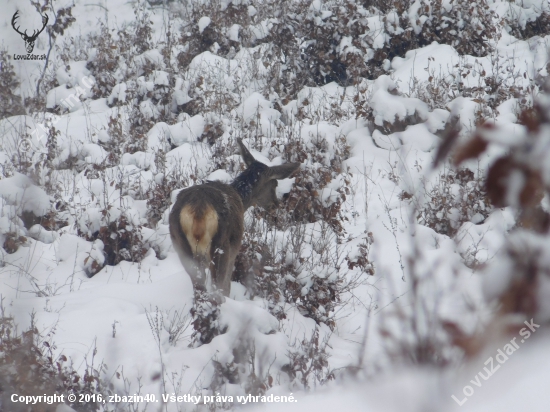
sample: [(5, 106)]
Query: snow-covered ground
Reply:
[(386, 343)]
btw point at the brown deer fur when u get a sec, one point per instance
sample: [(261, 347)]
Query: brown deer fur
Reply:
[(207, 221)]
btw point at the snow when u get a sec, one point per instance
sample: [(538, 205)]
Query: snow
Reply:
[(233, 33), (142, 160), (37, 232), (19, 190), (149, 56), (204, 22), (220, 175), (389, 108), (118, 94), (188, 130), (254, 105), (262, 30)]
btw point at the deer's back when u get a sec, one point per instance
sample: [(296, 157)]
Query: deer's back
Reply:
[(206, 216)]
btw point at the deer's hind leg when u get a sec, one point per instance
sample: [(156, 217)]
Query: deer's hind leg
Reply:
[(219, 270), (224, 260)]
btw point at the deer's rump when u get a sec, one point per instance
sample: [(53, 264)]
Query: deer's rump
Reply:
[(207, 221)]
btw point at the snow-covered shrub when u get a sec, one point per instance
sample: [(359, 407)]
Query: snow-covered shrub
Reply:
[(135, 140), (126, 133), (213, 26), (306, 277), (141, 35), (458, 196), (256, 268), (319, 190), (518, 178), (245, 368), (206, 317), (333, 49), (63, 19), (29, 366), (344, 41), (212, 132), (12, 242), (518, 277), (50, 221), (22, 205), (494, 86), (36, 207), (414, 330), (309, 38), (316, 296), (467, 26), (244, 372), (175, 324), (306, 368), (525, 21), (115, 139), (308, 363), (224, 374), (114, 58), (439, 90), (361, 258), (383, 6), (209, 91), (159, 193), (122, 239), (103, 62), (45, 162), (10, 102)]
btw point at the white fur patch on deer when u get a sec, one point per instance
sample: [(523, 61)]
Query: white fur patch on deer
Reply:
[(199, 230)]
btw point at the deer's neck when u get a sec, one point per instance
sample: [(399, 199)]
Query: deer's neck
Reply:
[(244, 189), (245, 183)]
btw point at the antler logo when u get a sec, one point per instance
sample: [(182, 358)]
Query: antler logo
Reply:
[(29, 40)]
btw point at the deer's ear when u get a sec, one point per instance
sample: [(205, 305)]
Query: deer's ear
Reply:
[(248, 158), (283, 171)]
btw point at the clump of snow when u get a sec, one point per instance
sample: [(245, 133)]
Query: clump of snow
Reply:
[(220, 175), (153, 57), (118, 94), (20, 190), (233, 32), (142, 160), (187, 130), (203, 23), (160, 78), (37, 232), (387, 107), (262, 29)]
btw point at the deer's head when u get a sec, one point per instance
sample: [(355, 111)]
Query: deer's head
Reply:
[(29, 40), (258, 182)]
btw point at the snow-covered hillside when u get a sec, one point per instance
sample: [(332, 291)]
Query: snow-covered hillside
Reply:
[(406, 263)]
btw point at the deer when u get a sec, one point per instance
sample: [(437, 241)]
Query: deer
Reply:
[(207, 220), (29, 40)]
